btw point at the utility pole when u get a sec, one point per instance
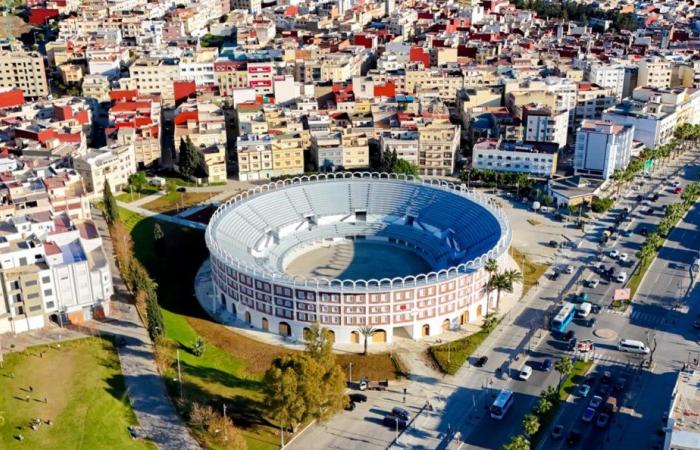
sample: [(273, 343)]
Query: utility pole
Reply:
[(281, 435), (179, 374), (350, 370), (225, 427)]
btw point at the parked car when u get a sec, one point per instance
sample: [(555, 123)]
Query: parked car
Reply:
[(583, 390), (621, 277), (572, 344), (358, 398), (557, 432), (401, 413), (553, 244), (588, 414), (627, 233), (614, 253), (696, 324), (623, 257), (573, 438), (655, 197), (547, 365), (595, 402), (602, 421), (571, 334), (678, 190), (595, 308), (350, 406), (583, 297), (481, 362), (393, 422), (593, 283), (643, 231), (621, 384), (525, 373), (569, 269)]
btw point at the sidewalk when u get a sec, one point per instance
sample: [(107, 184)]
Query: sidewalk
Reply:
[(149, 398), (164, 217)]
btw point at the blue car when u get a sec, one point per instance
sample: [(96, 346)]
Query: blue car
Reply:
[(583, 390), (547, 365), (583, 297), (627, 233)]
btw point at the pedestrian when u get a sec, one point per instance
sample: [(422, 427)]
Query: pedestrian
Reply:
[(31, 389), (46, 401), (26, 399)]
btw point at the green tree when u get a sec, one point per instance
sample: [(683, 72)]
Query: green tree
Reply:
[(564, 366), (154, 315), (170, 186), (319, 344), (530, 425), (110, 203), (518, 442), (367, 332), (138, 181), (404, 167), (188, 160)]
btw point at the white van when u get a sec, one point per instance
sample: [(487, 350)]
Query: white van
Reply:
[(583, 310), (631, 346)]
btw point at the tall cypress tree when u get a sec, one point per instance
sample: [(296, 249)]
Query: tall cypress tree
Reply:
[(110, 203)]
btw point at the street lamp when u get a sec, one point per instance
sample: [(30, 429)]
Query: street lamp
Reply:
[(350, 369)]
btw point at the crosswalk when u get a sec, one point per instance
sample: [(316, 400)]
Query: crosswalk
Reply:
[(625, 360), (639, 317)]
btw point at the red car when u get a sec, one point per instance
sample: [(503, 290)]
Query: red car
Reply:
[(678, 190)]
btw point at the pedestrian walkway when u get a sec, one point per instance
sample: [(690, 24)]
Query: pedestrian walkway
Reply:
[(164, 217), (145, 387)]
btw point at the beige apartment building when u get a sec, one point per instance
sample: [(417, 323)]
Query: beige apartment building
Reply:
[(655, 73), (438, 144), (153, 76), (355, 147), (96, 86), (288, 154), (215, 162), (23, 70), (113, 163), (254, 157)]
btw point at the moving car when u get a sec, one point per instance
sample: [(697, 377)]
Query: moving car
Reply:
[(583, 390), (401, 413), (358, 398), (481, 362), (595, 402), (393, 422), (602, 421), (590, 322), (632, 346), (588, 414), (572, 344)]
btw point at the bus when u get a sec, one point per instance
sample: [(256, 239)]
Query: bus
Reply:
[(563, 318), (501, 405)]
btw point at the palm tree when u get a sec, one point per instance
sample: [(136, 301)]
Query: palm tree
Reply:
[(492, 268), (500, 282), (564, 366), (515, 276), (530, 425), (366, 331)]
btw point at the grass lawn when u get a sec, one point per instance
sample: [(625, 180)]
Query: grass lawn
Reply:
[(232, 366), (128, 197), (452, 355), (169, 203), (86, 398), (531, 270), (636, 278)]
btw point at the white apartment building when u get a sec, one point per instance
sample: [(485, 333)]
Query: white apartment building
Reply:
[(254, 157), (543, 124), (602, 148), (153, 76), (654, 72), (653, 123), (608, 76), (113, 164), (23, 70), (403, 142), (538, 159), (252, 6)]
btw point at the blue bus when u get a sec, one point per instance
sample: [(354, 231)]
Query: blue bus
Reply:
[(563, 318), (500, 406)]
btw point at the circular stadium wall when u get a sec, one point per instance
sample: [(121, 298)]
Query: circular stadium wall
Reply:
[(304, 250)]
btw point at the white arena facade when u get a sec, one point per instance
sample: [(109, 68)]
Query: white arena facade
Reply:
[(348, 250)]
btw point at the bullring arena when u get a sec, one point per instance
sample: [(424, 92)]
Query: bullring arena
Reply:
[(402, 255)]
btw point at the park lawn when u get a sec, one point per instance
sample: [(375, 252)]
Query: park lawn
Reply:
[(175, 202), (581, 368), (231, 369), (638, 275), (128, 197), (458, 351), (531, 270), (86, 398)]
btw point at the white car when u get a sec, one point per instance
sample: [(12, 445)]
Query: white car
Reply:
[(569, 269), (614, 253), (676, 183), (623, 257), (525, 373), (593, 283), (621, 277)]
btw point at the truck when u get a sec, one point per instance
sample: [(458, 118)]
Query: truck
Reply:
[(366, 384)]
